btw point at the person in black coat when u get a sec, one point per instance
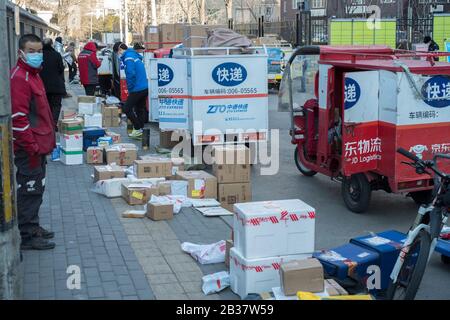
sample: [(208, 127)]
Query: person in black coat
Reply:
[(116, 70), (52, 75)]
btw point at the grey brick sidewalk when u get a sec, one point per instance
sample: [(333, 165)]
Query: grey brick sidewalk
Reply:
[(88, 234), (119, 258)]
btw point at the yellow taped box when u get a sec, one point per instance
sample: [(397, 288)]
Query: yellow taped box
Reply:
[(201, 185), (138, 194)]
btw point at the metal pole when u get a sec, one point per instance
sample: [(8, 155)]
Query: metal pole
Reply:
[(126, 21), (10, 271), (120, 21), (154, 16)]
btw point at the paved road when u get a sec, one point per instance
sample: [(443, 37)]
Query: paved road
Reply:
[(335, 224)]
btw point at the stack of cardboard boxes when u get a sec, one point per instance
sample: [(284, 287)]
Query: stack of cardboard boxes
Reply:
[(71, 141), (266, 235), (233, 172), (110, 116), (90, 108), (169, 35)]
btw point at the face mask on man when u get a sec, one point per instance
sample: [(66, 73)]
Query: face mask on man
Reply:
[(34, 59)]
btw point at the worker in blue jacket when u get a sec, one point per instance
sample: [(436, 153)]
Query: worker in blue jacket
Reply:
[(135, 108)]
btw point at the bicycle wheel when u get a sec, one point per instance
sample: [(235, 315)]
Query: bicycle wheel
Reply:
[(412, 271)]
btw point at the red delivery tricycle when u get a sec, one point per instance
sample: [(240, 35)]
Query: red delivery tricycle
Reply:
[(353, 107)]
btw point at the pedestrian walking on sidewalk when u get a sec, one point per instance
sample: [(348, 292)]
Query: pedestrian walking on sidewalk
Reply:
[(34, 139), (71, 60), (52, 75), (116, 70), (88, 65), (136, 106)]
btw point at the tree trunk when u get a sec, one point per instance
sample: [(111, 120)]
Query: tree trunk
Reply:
[(203, 12)]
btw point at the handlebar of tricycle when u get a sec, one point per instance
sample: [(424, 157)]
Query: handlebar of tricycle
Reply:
[(408, 155), (421, 164)]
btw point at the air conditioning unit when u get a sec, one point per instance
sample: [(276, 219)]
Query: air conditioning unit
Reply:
[(437, 8)]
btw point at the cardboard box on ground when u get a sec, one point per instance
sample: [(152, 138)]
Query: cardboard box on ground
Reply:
[(231, 193), (115, 136), (88, 105), (178, 164), (153, 167), (231, 154), (135, 193), (201, 184), (111, 116), (108, 172), (95, 155), (71, 126), (123, 154), (159, 212), (302, 275), (169, 139)]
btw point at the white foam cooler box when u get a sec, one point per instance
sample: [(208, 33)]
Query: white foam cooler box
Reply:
[(274, 228), (71, 141), (257, 275), (71, 157)]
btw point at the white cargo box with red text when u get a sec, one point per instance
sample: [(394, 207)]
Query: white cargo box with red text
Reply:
[(257, 275), (228, 94), (274, 228)]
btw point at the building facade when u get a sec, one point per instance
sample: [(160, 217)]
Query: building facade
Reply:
[(363, 8)]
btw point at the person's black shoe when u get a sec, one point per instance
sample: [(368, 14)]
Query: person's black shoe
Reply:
[(40, 232), (36, 244)]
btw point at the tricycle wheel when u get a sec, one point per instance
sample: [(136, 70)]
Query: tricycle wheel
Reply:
[(445, 259), (356, 192), (422, 197), (301, 167)]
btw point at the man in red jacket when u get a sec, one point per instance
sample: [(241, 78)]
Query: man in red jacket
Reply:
[(34, 139), (88, 65)]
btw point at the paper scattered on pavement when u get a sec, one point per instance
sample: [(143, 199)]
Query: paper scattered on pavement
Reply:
[(137, 214), (202, 203), (215, 212)]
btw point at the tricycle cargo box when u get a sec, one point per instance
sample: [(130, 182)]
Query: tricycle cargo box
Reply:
[(388, 245), (348, 260)]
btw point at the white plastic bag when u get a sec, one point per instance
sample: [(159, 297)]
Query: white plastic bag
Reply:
[(207, 253), (112, 100), (216, 282), (111, 188)]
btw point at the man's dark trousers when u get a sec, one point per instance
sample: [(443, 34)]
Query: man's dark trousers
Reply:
[(90, 89), (30, 191), (55, 102), (136, 108)]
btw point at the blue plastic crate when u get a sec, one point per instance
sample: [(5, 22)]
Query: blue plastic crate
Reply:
[(388, 245), (91, 135), (347, 261), (443, 247)]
